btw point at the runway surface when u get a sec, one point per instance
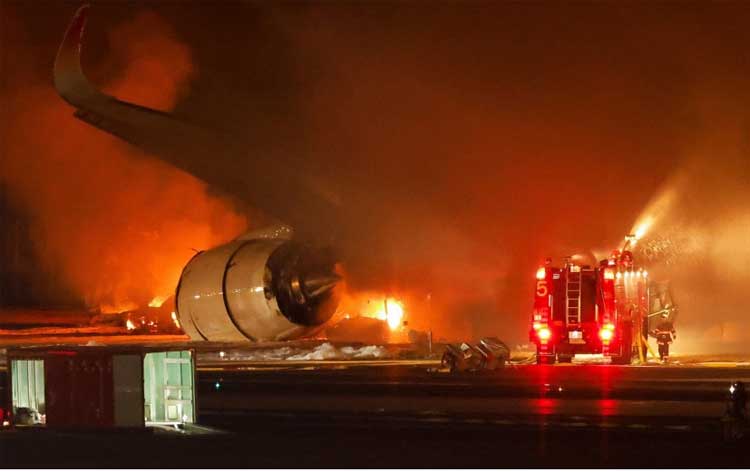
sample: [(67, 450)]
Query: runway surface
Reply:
[(681, 397), (397, 412), (411, 414)]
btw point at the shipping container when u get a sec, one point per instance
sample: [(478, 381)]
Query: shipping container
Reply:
[(101, 388)]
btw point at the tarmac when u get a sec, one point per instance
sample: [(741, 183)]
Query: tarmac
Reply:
[(413, 413)]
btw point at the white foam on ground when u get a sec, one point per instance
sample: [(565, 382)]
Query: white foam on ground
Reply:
[(322, 352), (279, 354), (591, 359), (366, 352)]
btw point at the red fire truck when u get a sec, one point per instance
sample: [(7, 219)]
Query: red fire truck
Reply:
[(579, 309)]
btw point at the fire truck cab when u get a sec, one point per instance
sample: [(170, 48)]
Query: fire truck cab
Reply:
[(591, 310)]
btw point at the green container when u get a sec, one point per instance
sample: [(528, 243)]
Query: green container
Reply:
[(168, 387)]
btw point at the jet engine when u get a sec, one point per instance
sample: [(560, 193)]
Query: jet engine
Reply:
[(261, 287), (258, 290)]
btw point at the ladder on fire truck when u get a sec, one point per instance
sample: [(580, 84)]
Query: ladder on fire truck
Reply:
[(573, 297)]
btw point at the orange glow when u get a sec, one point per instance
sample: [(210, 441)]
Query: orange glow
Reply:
[(117, 308), (379, 307), (137, 242), (129, 324), (541, 273), (609, 274), (544, 334), (606, 333), (392, 312), (403, 309), (157, 301)]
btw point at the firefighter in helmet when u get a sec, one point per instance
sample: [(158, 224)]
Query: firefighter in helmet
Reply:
[(664, 334)]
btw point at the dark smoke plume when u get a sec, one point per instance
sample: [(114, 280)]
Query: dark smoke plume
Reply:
[(118, 224), (469, 141)]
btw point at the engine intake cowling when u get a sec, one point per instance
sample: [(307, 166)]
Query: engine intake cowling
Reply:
[(257, 290)]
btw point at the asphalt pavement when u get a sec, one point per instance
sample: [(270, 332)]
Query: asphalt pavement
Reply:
[(679, 397), (414, 414)]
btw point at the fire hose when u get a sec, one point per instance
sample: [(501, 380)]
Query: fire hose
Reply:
[(643, 342)]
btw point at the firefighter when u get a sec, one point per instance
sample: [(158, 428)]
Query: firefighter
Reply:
[(735, 418), (737, 402), (664, 334)]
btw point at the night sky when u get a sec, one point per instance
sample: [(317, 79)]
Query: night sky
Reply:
[(466, 141)]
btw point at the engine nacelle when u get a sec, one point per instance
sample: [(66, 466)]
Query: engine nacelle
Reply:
[(257, 290)]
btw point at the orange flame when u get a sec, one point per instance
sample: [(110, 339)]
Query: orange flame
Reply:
[(157, 301), (389, 310), (136, 243)]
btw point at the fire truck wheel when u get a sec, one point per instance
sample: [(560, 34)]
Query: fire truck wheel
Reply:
[(540, 359), (566, 358), (625, 357), (620, 360)]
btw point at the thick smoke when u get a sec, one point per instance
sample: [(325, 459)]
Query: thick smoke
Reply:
[(467, 142), (466, 163), (120, 225), (477, 140)]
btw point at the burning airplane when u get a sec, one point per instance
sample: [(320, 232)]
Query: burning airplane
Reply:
[(268, 285)]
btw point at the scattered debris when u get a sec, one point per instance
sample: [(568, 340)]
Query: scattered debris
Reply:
[(488, 354)]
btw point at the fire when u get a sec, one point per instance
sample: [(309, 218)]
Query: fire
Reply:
[(157, 301), (137, 242), (118, 308), (374, 304), (392, 312), (129, 324)]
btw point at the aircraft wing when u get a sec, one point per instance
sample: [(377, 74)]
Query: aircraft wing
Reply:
[(141, 126), (260, 180)]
